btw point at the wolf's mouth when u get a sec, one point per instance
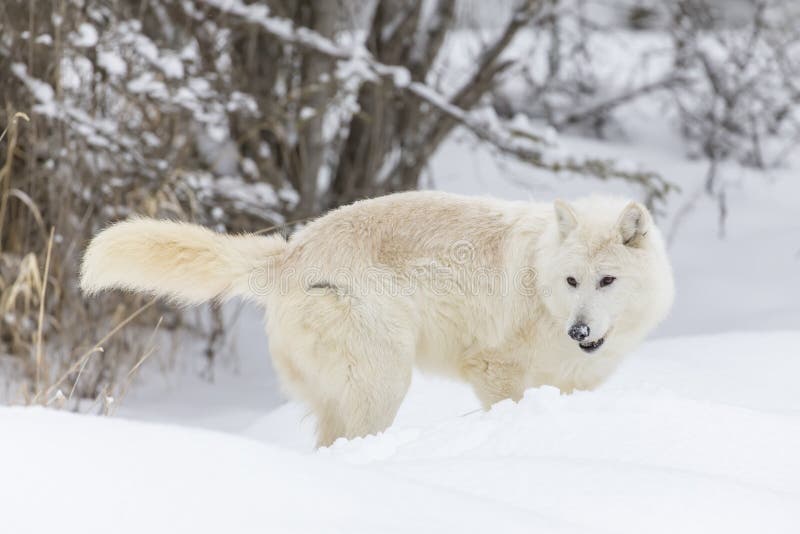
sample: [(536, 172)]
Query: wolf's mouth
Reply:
[(592, 346)]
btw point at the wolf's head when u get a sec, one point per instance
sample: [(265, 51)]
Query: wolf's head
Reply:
[(604, 272)]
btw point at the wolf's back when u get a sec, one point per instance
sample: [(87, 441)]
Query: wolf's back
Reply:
[(188, 263)]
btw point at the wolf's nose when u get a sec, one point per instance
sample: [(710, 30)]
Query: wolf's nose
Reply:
[(579, 331)]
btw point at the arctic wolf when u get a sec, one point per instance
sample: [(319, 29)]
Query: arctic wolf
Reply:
[(503, 295)]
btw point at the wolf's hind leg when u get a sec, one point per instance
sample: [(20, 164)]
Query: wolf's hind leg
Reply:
[(367, 403), (349, 359)]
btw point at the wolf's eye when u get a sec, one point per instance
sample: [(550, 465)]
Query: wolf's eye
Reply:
[(607, 281), (571, 281)]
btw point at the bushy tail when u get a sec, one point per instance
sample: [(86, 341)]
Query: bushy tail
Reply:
[(186, 262)]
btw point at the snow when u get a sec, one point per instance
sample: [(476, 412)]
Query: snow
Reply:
[(171, 65), (44, 39), (86, 36), (306, 113), (112, 63), (41, 91), (401, 77), (147, 83), (695, 434), (93, 474)]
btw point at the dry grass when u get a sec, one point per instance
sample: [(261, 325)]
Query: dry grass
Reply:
[(63, 176), (44, 321)]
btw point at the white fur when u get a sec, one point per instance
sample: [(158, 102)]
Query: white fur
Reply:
[(473, 288)]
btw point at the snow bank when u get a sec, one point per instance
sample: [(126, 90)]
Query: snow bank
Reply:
[(696, 434), (70, 473), (621, 461)]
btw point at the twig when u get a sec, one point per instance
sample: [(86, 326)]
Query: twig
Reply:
[(283, 225), (601, 108), (80, 372), (5, 170), (129, 377), (14, 117), (42, 297)]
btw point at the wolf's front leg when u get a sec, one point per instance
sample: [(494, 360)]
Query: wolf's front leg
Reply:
[(495, 378)]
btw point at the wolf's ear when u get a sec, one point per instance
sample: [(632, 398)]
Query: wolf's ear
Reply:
[(633, 224), (565, 218)]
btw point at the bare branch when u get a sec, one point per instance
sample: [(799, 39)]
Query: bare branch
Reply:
[(392, 30), (602, 108), (285, 31), (432, 39)]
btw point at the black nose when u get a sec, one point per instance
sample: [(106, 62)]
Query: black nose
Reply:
[(579, 331)]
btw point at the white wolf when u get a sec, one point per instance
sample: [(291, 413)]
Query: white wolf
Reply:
[(503, 295)]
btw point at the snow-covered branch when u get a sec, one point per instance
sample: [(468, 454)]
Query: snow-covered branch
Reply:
[(361, 61)]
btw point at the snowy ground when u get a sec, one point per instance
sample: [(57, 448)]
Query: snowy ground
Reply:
[(695, 433)]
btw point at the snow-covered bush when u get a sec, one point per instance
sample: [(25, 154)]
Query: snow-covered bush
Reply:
[(727, 71), (741, 98)]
